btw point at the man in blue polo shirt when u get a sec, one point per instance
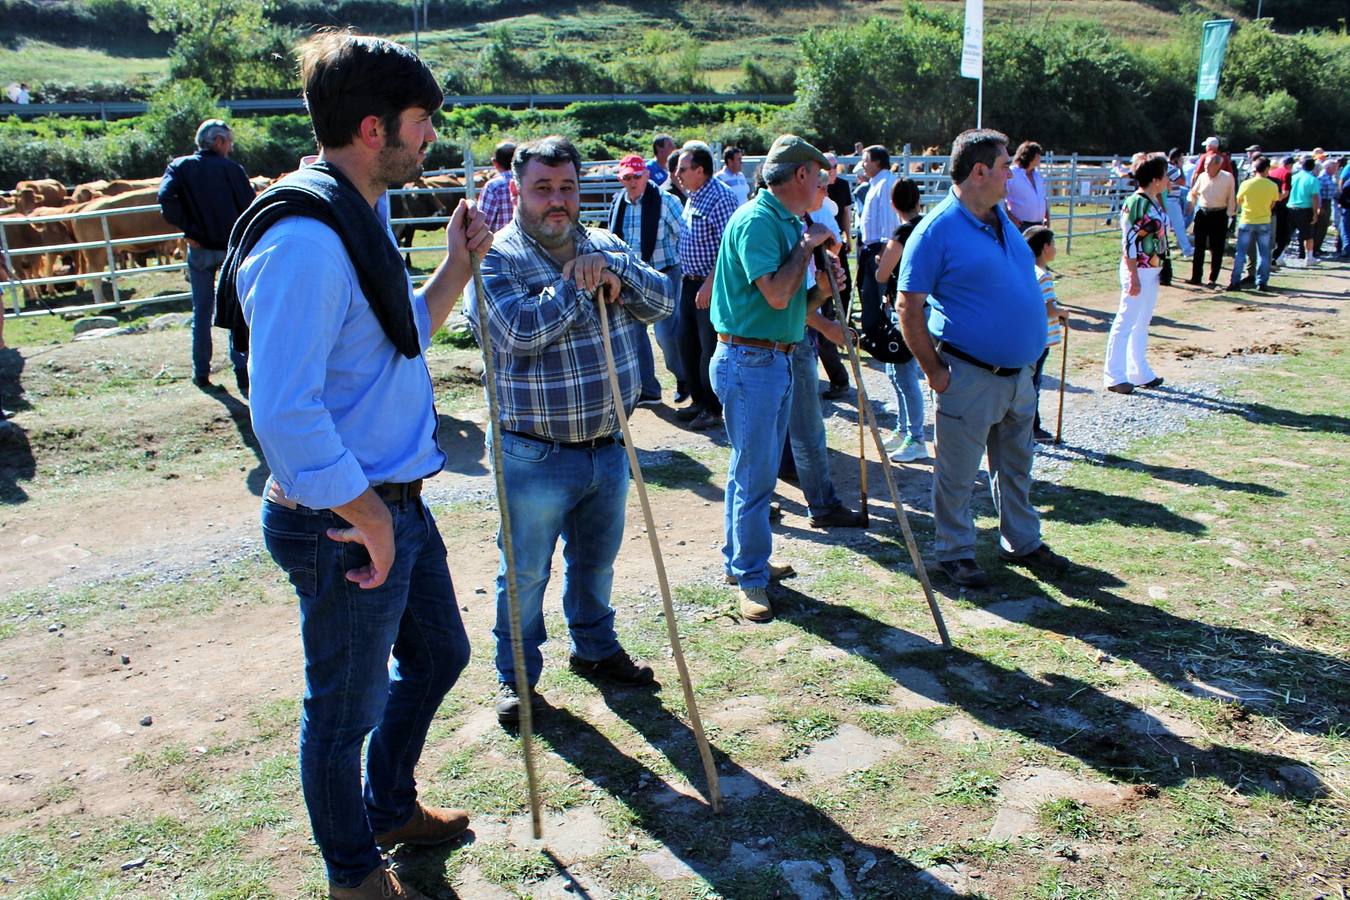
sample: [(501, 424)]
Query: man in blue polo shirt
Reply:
[(758, 310), (988, 321)]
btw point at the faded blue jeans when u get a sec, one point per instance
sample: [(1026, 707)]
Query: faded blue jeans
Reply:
[(806, 431), (667, 334), (909, 398), (1248, 235), (580, 496), (754, 385), (203, 265), (1177, 220), (351, 688)]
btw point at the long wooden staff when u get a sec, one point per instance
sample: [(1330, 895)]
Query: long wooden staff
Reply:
[(695, 721), (865, 411), (1063, 367)]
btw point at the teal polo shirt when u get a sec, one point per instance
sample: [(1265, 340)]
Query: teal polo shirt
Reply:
[(759, 238), (983, 294), (1303, 187)]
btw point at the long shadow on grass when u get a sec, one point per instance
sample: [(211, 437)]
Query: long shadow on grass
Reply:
[(1303, 689), (1174, 474), (1085, 506), (753, 810), (1064, 713), (238, 410), (1258, 413), (17, 462)]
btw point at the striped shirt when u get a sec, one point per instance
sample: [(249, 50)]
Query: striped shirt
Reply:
[(547, 353), (496, 203), (668, 232), (1054, 329), (706, 213), (879, 218)]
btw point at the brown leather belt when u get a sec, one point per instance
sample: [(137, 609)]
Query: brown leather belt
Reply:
[(395, 492), (755, 342)]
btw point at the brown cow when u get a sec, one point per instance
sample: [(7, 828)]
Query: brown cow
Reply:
[(50, 191), (21, 234), (418, 206), (92, 189), (120, 226)]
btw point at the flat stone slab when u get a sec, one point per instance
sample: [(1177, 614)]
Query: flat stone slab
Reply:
[(1023, 793), (805, 878), (742, 786), (849, 750), (1156, 721), (1004, 613), (962, 730), (666, 865), (93, 323), (573, 834), (916, 689), (901, 641), (741, 713)]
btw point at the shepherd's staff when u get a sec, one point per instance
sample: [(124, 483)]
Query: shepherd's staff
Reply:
[(1063, 366), (865, 411), (695, 721)]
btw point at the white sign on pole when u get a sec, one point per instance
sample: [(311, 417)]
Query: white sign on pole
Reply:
[(972, 46)]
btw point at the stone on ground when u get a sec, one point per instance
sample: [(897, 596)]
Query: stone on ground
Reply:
[(849, 750)]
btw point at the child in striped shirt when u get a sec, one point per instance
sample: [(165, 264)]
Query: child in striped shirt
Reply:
[(1041, 240)]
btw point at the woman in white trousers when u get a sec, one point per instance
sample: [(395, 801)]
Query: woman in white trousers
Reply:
[(1143, 226)]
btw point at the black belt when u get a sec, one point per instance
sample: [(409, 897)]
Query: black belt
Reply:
[(696, 279), (398, 492), (1214, 209), (1002, 371), (592, 444)]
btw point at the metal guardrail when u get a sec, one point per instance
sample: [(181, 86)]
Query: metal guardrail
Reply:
[(113, 109)]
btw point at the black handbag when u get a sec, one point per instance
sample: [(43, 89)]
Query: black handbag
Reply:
[(1165, 273)]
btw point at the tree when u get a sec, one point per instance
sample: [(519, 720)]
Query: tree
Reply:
[(214, 39)]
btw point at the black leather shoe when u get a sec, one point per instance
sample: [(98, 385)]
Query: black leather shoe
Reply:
[(1042, 558), (507, 705), (618, 668), (689, 413), (202, 381), (835, 392), (839, 517), (1123, 388), (1157, 382), (964, 572)]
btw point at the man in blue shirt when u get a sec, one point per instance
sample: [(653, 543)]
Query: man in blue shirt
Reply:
[(662, 146), (203, 194), (565, 470), (988, 320), (342, 405)]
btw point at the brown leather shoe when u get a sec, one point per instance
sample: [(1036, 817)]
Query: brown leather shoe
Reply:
[(429, 825), (777, 572), (382, 884)]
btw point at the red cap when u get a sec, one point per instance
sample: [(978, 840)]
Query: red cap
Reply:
[(632, 165)]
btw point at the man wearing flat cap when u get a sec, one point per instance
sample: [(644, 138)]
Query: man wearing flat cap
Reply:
[(759, 313)]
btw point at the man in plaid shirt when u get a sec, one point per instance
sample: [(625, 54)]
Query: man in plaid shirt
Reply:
[(498, 203), (706, 214), (1329, 187), (565, 470)]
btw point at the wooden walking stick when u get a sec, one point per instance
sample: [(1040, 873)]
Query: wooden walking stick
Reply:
[(1063, 366), (865, 411), (862, 446), (695, 721), (523, 689)]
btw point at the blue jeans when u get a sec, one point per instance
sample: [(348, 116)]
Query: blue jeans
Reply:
[(580, 496), (909, 396), (351, 688), (1178, 222), (1246, 236), (1343, 229), (202, 267), (667, 333), (754, 386), (806, 431)]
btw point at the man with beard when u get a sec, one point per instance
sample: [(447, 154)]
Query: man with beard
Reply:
[(565, 470), (342, 405)]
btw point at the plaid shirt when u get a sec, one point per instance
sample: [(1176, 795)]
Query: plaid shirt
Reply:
[(706, 213), (668, 231), (496, 202), (552, 380), (1328, 187)]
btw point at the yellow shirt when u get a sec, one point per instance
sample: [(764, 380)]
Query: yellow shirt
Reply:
[(1256, 196)]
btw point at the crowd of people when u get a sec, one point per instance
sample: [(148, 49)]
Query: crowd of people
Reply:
[(743, 284)]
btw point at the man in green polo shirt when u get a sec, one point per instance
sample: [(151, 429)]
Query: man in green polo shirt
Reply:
[(759, 312)]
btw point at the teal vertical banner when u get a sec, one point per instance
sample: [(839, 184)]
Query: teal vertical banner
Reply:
[(1213, 45)]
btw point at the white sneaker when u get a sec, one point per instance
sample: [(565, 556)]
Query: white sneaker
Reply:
[(910, 451), (893, 442), (1310, 261)]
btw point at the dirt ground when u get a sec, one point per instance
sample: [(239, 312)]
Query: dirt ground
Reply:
[(72, 700)]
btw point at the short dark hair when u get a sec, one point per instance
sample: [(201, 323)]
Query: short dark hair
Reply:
[(700, 157), (1026, 152), (1150, 169), (879, 155), (660, 141), (1261, 165), (731, 153), (976, 145), (905, 196), (1287, 161), (1174, 153), (1308, 164), (1038, 237), (554, 150), (350, 76), (503, 154)]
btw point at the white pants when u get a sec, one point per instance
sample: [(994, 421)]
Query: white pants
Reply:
[(1128, 341)]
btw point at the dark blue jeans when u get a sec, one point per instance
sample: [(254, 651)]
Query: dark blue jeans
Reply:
[(203, 265), (352, 689)]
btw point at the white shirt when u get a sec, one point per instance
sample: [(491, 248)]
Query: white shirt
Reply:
[(878, 220), (736, 181), (827, 215), (1026, 195)]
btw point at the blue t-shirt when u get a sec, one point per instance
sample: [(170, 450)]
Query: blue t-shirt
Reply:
[(983, 294), (1303, 189)]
